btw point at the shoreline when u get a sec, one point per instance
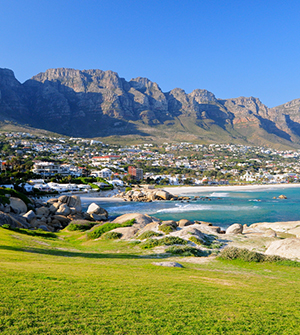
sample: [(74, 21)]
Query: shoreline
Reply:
[(178, 190)]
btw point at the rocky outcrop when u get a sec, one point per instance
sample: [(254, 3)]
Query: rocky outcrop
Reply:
[(53, 215), (235, 228), (141, 220), (288, 248), (148, 195)]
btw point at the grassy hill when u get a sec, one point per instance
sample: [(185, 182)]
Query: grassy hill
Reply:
[(63, 284)]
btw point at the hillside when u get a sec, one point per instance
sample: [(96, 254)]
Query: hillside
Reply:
[(95, 103), (63, 284)]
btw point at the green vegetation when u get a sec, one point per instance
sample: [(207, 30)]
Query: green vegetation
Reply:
[(196, 240), (186, 251), (80, 225), (167, 229), (246, 255), (104, 228), (148, 234), (13, 193), (167, 240), (112, 235), (68, 285)]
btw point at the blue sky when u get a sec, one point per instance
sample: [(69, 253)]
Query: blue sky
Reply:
[(231, 48)]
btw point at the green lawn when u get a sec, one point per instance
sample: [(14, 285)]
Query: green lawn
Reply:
[(67, 285)]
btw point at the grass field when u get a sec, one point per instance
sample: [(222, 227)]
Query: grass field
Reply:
[(67, 285)]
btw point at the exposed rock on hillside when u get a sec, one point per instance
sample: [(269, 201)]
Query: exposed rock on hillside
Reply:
[(93, 103)]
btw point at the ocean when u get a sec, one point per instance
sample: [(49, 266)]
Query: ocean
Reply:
[(223, 209)]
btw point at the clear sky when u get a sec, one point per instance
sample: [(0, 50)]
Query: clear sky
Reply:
[(231, 48)]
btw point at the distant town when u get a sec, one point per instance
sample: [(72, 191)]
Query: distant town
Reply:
[(34, 163)]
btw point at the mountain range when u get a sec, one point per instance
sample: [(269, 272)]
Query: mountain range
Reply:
[(95, 103)]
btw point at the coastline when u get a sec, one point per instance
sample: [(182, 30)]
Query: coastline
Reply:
[(203, 189)]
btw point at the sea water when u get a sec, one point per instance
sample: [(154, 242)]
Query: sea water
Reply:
[(222, 208)]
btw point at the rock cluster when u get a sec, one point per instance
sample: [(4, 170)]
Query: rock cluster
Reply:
[(182, 228), (148, 195), (52, 215)]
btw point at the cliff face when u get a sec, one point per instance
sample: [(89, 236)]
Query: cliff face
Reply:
[(95, 103)]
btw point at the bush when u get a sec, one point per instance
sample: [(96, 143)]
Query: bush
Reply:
[(97, 232), (168, 240), (167, 229), (185, 251), (246, 255), (128, 189), (80, 226), (148, 234), (15, 194), (150, 243), (112, 235), (6, 226), (196, 240)]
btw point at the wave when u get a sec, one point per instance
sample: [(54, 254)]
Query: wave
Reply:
[(219, 194), (193, 208)]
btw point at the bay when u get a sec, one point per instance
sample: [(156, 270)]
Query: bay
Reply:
[(223, 209)]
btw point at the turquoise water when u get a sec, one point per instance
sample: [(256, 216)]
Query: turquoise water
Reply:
[(224, 209)]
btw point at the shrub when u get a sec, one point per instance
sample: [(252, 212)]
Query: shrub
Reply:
[(80, 226), (112, 235), (6, 226), (167, 229), (97, 232), (128, 189), (150, 243), (246, 255), (148, 234), (196, 240), (168, 240), (185, 251), (15, 194)]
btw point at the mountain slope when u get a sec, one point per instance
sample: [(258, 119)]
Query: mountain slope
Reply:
[(95, 103)]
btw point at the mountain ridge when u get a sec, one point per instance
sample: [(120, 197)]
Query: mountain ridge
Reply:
[(96, 103)]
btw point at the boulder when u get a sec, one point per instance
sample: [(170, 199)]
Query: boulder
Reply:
[(52, 201), (63, 199), (95, 209), (168, 264), (8, 219), (141, 220), (127, 232), (171, 223), (63, 210), (188, 231), (282, 196), (235, 228), (29, 216), (62, 219), (42, 211), (54, 207), (17, 205), (153, 226), (164, 195), (289, 248), (184, 223), (98, 217), (56, 224), (74, 201)]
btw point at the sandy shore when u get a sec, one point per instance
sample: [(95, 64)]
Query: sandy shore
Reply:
[(203, 189)]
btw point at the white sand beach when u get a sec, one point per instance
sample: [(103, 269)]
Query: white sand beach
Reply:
[(198, 189)]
